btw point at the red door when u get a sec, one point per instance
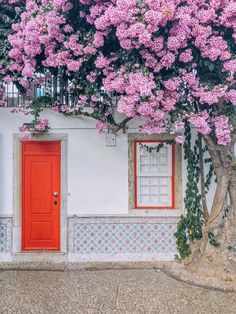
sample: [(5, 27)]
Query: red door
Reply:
[(41, 196)]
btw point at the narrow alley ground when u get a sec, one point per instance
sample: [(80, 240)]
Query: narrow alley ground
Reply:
[(106, 291)]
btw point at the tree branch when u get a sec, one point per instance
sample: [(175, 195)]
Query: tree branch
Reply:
[(116, 128), (211, 145), (113, 127)]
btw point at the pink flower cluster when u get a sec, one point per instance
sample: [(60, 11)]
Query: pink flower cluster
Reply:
[(42, 125), (3, 96), (205, 125), (151, 127), (201, 122), (231, 96), (212, 96), (101, 126), (222, 130), (42, 29), (180, 139), (149, 54), (186, 56), (26, 137)]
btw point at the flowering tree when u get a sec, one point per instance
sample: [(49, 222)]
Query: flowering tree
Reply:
[(171, 62)]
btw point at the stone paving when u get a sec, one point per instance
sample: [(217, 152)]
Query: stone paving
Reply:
[(140, 291)]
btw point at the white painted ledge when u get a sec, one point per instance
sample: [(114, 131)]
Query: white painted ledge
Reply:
[(134, 213), (122, 257), (155, 213)]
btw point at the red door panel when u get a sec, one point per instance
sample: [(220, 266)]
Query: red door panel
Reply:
[(41, 207)]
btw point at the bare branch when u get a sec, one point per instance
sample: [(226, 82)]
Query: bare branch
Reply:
[(116, 128)]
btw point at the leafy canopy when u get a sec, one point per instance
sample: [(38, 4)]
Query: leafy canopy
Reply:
[(169, 61)]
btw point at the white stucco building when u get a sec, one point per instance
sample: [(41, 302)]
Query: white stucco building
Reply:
[(89, 197)]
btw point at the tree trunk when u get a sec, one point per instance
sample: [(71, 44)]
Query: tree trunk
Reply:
[(215, 254)]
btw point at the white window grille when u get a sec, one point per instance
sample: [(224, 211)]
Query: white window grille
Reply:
[(154, 175)]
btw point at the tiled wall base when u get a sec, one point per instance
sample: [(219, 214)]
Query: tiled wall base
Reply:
[(5, 235), (117, 239), (107, 239)]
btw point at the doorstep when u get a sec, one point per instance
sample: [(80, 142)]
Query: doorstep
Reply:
[(40, 256)]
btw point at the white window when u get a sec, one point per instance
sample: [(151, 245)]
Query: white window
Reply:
[(153, 175)]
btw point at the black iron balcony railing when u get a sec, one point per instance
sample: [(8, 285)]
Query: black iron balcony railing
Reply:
[(55, 89)]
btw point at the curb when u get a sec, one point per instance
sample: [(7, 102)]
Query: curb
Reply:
[(83, 266), (214, 287)]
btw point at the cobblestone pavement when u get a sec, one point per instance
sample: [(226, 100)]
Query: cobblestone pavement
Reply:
[(106, 291)]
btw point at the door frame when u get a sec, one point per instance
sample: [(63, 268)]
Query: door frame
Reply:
[(17, 188)]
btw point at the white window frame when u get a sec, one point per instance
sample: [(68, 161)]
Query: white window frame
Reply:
[(159, 175)]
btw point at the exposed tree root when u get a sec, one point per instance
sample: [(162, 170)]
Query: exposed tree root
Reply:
[(211, 261), (186, 275)]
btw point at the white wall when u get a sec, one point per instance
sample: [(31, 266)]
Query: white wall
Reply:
[(97, 174)]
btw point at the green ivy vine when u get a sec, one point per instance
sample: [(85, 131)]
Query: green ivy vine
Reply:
[(189, 228), (155, 148)]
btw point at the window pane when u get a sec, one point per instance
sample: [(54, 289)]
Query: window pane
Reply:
[(164, 189), (144, 189), (151, 192), (164, 199), (143, 160), (163, 181), (144, 199), (154, 190), (144, 168)]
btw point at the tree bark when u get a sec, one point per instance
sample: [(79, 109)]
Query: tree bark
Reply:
[(219, 260)]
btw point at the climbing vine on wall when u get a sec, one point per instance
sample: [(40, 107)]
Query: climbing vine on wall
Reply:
[(209, 175), (189, 228), (155, 148)]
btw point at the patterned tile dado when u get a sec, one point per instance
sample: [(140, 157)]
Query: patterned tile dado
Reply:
[(117, 235), (5, 235)]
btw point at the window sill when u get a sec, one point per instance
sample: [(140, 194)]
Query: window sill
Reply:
[(155, 212)]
